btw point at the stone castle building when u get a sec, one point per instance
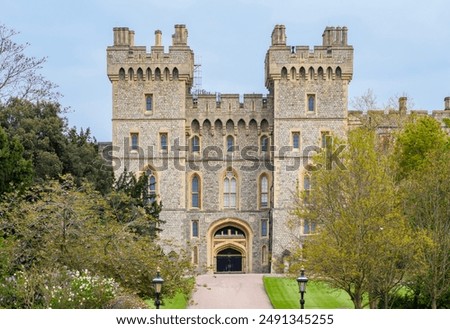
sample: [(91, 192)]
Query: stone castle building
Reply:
[(225, 167)]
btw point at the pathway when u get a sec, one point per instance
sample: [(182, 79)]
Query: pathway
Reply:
[(228, 291)]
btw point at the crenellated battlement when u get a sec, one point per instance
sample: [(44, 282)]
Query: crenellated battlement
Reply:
[(333, 60), (228, 102), (388, 120), (126, 61)]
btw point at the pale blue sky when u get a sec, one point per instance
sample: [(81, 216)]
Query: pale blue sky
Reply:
[(401, 46)]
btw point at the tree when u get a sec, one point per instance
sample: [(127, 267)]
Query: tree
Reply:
[(427, 205), (15, 171), (61, 226), (19, 75), (423, 157), (365, 102), (421, 136), (52, 147), (362, 237), (129, 195)]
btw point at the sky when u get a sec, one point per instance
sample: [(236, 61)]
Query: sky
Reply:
[(401, 47)]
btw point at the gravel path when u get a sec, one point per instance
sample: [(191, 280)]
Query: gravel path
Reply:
[(228, 291)]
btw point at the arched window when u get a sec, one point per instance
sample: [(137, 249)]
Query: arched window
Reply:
[(284, 73), (195, 144), (131, 74), (311, 73), (293, 73), (175, 74), (264, 191), (329, 73), (166, 74), (140, 74), (338, 72), (149, 74), (195, 192), (230, 143), (195, 228), (302, 73), (320, 73), (229, 190), (121, 74), (151, 185), (157, 74)]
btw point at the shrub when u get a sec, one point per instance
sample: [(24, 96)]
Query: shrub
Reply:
[(81, 290)]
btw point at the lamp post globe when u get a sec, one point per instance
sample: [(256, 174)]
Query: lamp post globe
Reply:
[(157, 283), (302, 280)]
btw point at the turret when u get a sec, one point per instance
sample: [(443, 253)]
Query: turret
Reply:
[(158, 38), (334, 36), (179, 38), (123, 36), (402, 107), (279, 36)]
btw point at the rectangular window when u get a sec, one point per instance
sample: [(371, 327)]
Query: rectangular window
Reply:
[(149, 103), (296, 140), (264, 191), (134, 141), (325, 139), (195, 144), (308, 227), (195, 228), (264, 227), (264, 143), (311, 99), (163, 141)]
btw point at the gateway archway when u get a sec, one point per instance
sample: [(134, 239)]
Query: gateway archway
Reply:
[(229, 260), (229, 246)]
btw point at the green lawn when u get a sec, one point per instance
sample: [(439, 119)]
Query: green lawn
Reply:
[(179, 301), (283, 293)]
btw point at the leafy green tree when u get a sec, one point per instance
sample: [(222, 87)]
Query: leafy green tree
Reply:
[(422, 155), (362, 237), (40, 129), (52, 147), (419, 137), (81, 159), (60, 225), (130, 194), (15, 171)]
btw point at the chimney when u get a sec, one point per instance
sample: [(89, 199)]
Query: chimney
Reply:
[(179, 38), (279, 36), (402, 104), (158, 38), (447, 103), (131, 38)]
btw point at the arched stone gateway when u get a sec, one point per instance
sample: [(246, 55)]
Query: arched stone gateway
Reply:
[(229, 246)]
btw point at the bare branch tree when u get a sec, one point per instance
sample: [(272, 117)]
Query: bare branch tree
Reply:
[(19, 75), (367, 101)]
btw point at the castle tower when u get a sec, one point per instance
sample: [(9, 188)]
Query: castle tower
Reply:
[(149, 91), (310, 99)]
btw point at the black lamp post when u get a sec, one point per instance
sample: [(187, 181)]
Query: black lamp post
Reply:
[(302, 280), (157, 283)]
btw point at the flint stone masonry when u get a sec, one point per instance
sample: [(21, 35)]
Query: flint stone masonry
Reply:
[(249, 235)]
